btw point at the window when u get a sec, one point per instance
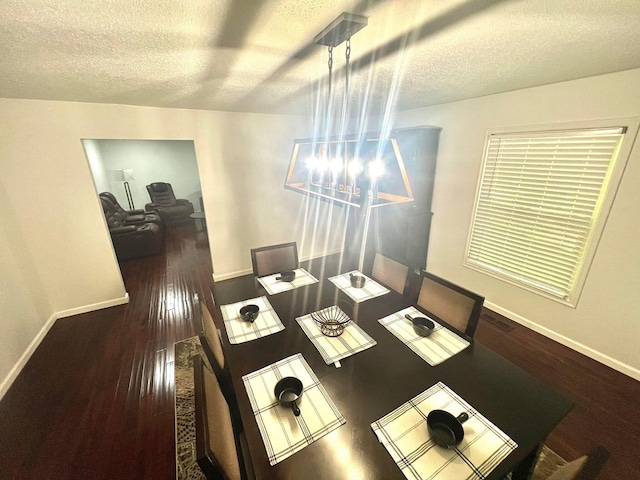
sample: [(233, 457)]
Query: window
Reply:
[(542, 200)]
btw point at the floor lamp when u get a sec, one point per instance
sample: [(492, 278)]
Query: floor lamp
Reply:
[(127, 190), (125, 175)]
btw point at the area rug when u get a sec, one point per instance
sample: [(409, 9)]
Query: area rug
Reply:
[(186, 465)]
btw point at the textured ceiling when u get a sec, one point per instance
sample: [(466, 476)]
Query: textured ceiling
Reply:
[(259, 55)]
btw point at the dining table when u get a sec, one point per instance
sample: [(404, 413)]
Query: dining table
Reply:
[(372, 383)]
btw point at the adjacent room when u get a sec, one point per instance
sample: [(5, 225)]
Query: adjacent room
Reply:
[(329, 239), (127, 173)]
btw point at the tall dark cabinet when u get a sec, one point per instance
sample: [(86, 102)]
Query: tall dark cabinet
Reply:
[(400, 231)]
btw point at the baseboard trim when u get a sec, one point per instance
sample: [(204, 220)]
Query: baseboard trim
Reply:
[(321, 254), (26, 355), (94, 306), (567, 342), (227, 276)]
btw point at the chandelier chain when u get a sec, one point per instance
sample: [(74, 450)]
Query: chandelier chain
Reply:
[(329, 88), (345, 99), (347, 56)]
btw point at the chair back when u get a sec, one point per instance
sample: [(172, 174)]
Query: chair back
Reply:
[(587, 467), (115, 218), (393, 274), (218, 450), (458, 307), (210, 339), (112, 198), (274, 258), (569, 471), (161, 193)]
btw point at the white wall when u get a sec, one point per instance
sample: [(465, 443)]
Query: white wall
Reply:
[(24, 307), (171, 161), (606, 322), (64, 241), (243, 159), (96, 164)]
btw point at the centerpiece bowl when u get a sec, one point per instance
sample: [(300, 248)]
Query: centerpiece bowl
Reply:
[(332, 316)]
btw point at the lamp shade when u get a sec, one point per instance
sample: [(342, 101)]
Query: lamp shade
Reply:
[(118, 175), (122, 175), (127, 173)]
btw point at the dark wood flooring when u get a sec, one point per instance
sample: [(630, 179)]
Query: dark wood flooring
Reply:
[(96, 398)]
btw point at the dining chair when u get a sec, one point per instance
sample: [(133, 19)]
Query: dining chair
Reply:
[(458, 307), (210, 336), (274, 258), (221, 450), (211, 341), (393, 274), (586, 467)]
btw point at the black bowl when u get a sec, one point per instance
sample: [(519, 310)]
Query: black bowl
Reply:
[(357, 281), (249, 312), (288, 391), (287, 276), (421, 325), (445, 429)]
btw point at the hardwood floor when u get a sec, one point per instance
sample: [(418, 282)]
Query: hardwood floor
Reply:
[(96, 398), (606, 410)]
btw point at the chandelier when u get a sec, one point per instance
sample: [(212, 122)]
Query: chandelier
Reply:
[(363, 171)]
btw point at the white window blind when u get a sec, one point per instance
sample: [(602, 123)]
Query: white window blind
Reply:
[(539, 197)]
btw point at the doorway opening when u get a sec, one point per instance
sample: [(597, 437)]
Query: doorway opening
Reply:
[(127, 173)]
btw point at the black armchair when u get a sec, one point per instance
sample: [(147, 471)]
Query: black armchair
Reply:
[(132, 217), (133, 240), (172, 210)]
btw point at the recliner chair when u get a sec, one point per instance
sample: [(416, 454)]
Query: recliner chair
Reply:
[(172, 210), (134, 240), (132, 217)]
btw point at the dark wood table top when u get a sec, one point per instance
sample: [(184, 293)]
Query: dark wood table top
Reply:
[(374, 382)]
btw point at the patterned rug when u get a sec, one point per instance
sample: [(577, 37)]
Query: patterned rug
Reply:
[(186, 465)]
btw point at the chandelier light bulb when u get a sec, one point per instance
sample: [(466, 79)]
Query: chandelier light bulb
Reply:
[(311, 163), (322, 164), (376, 169), (355, 167), (336, 165)]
